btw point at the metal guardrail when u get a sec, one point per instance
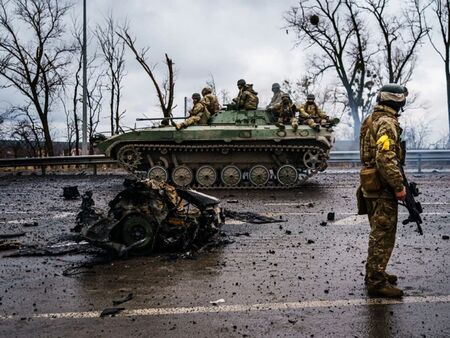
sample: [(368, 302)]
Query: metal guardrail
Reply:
[(415, 156)]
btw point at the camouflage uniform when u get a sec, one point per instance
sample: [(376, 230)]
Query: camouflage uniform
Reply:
[(384, 153), (276, 99), (199, 114), (210, 100), (285, 111), (312, 115), (247, 98)]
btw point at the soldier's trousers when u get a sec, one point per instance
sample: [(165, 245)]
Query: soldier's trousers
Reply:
[(293, 120), (383, 215)]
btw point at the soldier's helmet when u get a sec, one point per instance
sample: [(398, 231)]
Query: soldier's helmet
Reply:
[(206, 91), (392, 95), (276, 85), (310, 97), (196, 96), (241, 82)]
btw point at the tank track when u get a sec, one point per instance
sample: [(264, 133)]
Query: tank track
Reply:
[(132, 164)]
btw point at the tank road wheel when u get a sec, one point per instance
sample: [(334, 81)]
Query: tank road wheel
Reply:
[(259, 175), (129, 157), (206, 176), (158, 173), (231, 175), (138, 230), (287, 175), (182, 176), (312, 160)]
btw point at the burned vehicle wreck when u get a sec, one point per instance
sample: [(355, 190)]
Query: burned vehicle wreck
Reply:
[(151, 216)]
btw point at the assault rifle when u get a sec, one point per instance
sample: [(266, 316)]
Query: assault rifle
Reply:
[(414, 208)]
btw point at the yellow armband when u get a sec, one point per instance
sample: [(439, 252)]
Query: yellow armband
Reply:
[(384, 141)]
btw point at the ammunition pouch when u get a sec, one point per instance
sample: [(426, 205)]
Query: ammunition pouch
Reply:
[(361, 202), (370, 180)]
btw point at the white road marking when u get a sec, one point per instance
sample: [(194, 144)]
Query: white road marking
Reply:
[(240, 308), (291, 204), (355, 219)]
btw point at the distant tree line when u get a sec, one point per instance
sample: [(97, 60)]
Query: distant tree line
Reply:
[(41, 59)]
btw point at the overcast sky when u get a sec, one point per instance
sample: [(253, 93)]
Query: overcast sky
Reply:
[(230, 39)]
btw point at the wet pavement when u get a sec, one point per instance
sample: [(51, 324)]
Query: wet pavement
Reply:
[(298, 278)]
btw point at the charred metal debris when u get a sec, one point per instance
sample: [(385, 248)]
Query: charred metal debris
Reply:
[(151, 216)]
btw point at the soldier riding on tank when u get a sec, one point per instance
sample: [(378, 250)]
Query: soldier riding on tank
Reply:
[(247, 98), (210, 100), (199, 114), (285, 110)]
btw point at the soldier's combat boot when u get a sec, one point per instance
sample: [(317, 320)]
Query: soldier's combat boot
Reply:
[(384, 291), (392, 279)]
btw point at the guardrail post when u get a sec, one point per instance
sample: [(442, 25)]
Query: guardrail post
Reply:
[(419, 164), (95, 170)]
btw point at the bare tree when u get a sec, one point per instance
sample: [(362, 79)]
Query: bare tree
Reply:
[(336, 29), (416, 132), (211, 83), (360, 60), (440, 11), (166, 94), (28, 132), (225, 96), (401, 35), (113, 51), (35, 68)]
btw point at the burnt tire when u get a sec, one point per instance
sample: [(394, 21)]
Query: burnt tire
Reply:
[(135, 228)]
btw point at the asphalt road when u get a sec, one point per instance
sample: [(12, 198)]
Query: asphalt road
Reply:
[(296, 278)]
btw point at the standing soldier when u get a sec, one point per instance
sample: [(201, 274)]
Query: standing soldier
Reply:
[(247, 98), (199, 114), (285, 111), (276, 98), (382, 185), (210, 100), (311, 114)]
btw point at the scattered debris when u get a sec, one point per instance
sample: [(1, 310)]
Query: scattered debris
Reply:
[(12, 235), (233, 201), (310, 241), (331, 216), (112, 311), (310, 205), (292, 321), (35, 251), (251, 217), (288, 232), (238, 234), (445, 237), (323, 224), (217, 302), (71, 192), (9, 245), (29, 225), (124, 300)]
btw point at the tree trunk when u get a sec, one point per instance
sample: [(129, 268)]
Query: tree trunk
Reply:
[(447, 77), (47, 136), (111, 108)]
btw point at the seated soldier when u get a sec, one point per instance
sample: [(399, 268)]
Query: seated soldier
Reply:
[(285, 111), (247, 98), (311, 114), (210, 100), (199, 114)]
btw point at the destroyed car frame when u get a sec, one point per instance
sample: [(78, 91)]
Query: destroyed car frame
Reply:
[(150, 215)]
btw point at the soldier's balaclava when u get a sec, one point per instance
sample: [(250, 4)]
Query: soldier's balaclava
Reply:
[(276, 87)]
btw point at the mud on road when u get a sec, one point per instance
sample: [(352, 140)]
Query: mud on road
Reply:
[(302, 276)]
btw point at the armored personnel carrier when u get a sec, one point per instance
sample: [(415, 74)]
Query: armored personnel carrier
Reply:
[(238, 149)]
